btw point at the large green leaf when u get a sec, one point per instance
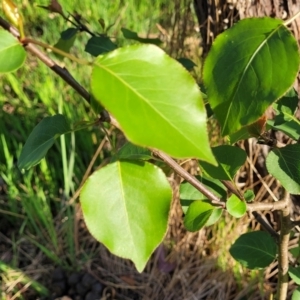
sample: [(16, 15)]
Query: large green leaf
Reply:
[(284, 165), (254, 250), (229, 158), (41, 139), (155, 100), (249, 66), (12, 53), (126, 206)]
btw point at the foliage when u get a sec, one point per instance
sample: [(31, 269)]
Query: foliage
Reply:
[(159, 107)]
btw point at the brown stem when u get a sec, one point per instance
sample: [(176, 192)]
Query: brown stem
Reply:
[(61, 72), (189, 178), (283, 262)]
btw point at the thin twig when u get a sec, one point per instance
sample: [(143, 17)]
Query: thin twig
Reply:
[(265, 224), (283, 245), (61, 72), (189, 178), (258, 206)]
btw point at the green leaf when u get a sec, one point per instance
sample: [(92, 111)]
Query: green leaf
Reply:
[(291, 128), (214, 217), (132, 152), (189, 193), (126, 207), (66, 41), (296, 294), (131, 35), (187, 63), (286, 108), (150, 94), (197, 215), (12, 53), (254, 250), (249, 196), (97, 45), (69, 33), (284, 165), (229, 158), (41, 139), (295, 274), (249, 66), (236, 207)]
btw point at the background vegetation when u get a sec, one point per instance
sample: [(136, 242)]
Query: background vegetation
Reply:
[(42, 234)]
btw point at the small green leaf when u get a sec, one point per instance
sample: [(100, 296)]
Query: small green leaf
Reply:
[(66, 41), (187, 63), (249, 196), (236, 207), (149, 93), (69, 33), (248, 67), (254, 250), (197, 215), (284, 165), (296, 294), (291, 128), (97, 45), (286, 107), (214, 217), (295, 274), (189, 193), (132, 152), (41, 140), (131, 35), (12, 53), (229, 158), (126, 207)]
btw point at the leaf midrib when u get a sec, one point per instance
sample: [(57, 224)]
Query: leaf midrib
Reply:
[(244, 72)]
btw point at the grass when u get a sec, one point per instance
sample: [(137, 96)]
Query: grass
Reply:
[(39, 227)]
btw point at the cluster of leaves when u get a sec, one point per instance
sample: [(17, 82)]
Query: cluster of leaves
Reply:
[(158, 105)]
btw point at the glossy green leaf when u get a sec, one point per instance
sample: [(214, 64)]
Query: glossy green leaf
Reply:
[(254, 250), (249, 66), (187, 63), (132, 152), (229, 158), (126, 207), (155, 100), (131, 35), (284, 165), (236, 207), (197, 215), (97, 45), (295, 274), (41, 140), (296, 294), (189, 193), (12, 53)]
